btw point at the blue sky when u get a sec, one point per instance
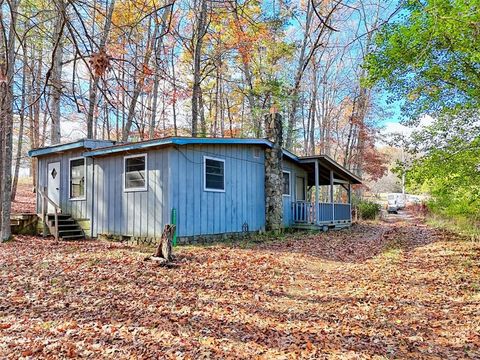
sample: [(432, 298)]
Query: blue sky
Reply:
[(392, 108)]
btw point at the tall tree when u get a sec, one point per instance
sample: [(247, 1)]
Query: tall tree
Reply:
[(21, 114), (323, 12), (92, 101), (201, 26), (7, 65), (56, 72)]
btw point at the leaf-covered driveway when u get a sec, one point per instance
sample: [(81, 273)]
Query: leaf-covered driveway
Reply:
[(396, 290)]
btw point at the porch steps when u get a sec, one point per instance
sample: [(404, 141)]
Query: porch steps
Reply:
[(68, 227), (25, 224)]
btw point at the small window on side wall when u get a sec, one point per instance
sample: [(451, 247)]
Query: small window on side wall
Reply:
[(214, 171), (135, 170), (286, 183), (77, 179)]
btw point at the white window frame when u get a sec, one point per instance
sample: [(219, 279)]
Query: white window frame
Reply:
[(205, 158), (137, 189), (84, 197), (289, 182)]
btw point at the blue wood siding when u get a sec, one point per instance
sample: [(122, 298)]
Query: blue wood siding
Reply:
[(201, 212), (77, 208), (135, 213), (295, 171), (175, 179)]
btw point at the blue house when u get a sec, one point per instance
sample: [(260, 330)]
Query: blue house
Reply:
[(212, 186)]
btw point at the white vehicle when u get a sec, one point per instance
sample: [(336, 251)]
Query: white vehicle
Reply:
[(399, 198), (392, 206), (401, 201)]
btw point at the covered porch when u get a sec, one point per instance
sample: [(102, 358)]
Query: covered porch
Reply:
[(329, 195)]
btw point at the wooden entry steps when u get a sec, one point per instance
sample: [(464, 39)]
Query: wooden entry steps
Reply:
[(25, 224), (68, 227)]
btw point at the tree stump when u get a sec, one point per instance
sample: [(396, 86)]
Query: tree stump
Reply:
[(163, 253)]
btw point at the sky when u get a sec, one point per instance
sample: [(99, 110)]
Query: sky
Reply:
[(393, 110)]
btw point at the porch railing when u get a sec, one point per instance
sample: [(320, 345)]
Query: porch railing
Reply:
[(57, 210), (304, 212)]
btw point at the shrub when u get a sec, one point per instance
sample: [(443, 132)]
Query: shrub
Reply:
[(368, 210)]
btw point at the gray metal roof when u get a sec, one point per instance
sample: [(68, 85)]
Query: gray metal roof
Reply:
[(77, 144), (174, 141), (327, 162)]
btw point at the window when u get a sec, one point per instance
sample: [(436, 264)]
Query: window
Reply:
[(135, 170), (77, 178), (256, 152), (286, 183), (214, 174)]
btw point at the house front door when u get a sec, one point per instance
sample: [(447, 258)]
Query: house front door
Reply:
[(53, 185), (300, 189)]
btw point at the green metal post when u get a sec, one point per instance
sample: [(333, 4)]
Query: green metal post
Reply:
[(174, 222)]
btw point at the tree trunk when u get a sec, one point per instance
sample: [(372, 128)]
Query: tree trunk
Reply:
[(175, 95), (203, 123), (56, 77), (247, 73), (35, 108), (21, 125), (7, 58), (92, 101), (153, 113), (197, 102), (298, 77), (139, 84), (164, 248), (156, 80)]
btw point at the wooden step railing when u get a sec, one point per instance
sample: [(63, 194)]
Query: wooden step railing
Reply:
[(58, 210)]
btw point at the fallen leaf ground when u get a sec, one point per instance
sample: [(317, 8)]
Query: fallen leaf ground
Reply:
[(391, 290), (24, 199)]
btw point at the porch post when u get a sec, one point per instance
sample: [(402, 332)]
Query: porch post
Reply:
[(331, 195), (350, 199), (317, 195)]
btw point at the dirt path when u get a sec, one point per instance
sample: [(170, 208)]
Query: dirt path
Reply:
[(395, 289)]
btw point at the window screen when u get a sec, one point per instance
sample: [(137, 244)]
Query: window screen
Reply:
[(135, 172), (214, 174), (77, 178), (286, 183)]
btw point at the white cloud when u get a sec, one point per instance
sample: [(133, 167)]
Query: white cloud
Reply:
[(73, 129), (392, 128)]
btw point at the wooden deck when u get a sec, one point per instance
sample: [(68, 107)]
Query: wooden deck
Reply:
[(321, 217)]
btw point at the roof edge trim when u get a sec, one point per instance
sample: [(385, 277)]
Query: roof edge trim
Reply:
[(82, 143), (174, 141)]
